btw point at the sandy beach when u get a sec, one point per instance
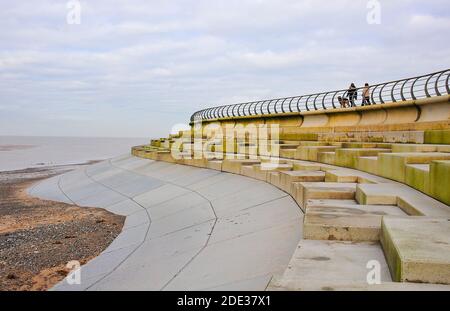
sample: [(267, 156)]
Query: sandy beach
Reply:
[(39, 237)]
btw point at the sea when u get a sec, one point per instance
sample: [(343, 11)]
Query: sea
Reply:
[(21, 152)]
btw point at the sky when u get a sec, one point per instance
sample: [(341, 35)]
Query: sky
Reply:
[(136, 68)]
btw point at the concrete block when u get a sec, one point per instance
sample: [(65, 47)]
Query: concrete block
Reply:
[(345, 222), (368, 164), (304, 191), (330, 265), (420, 256), (417, 176), (349, 157), (288, 153), (397, 148), (261, 170), (288, 178), (439, 186), (437, 137), (310, 153), (327, 157), (214, 165), (393, 165), (234, 165)]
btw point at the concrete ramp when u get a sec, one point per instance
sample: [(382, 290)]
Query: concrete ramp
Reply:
[(187, 228)]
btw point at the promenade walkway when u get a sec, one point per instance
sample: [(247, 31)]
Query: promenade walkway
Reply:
[(186, 228)]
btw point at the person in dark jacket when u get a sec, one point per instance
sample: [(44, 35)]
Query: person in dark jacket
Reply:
[(352, 94)]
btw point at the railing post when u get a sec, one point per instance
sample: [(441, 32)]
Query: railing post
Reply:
[(307, 108), (323, 101), (402, 94), (298, 103), (412, 88), (314, 102)]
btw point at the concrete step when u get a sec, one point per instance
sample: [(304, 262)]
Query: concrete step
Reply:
[(393, 165), (439, 183), (234, 165), (349, 157), (345, 222), (310, 153), (286, 179), (417, 249), (261, 171), (304, 191), (368, 164), (215, 165), (398, 148), (288, 146), (369, 145), (327, 157), (288, 153), (344, 176), (409, 200), (330, 265), (417, 176)]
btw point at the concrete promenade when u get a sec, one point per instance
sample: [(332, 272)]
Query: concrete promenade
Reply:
[(186, 228)]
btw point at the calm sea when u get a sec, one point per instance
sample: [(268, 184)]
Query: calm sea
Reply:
[(19, 152)]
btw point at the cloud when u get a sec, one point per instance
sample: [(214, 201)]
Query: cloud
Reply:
[(140, 66)]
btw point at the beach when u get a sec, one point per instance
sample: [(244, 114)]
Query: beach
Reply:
[(39, 237)]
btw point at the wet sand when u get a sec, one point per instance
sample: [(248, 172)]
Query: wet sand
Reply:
[(39, 237)]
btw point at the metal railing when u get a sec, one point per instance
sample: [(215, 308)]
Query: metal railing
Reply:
[(433, 84)]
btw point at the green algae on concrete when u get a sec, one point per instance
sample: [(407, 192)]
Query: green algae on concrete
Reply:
[(420, 256), (349, 157), (417, 176), (440, 181), (437, 137), (393, 165), (327, 157)]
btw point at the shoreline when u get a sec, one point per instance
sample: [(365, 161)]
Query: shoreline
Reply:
[(38, 237)]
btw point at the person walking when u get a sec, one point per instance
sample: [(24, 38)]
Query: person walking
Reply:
[(352, 94), (366, 95)]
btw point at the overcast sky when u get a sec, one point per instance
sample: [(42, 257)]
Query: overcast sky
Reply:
[(137, 67)]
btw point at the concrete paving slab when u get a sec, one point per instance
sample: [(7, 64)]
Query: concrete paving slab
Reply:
[(261, 217), (176, 205), (148, 276), (193, 177), (136, 219), (189, 217), (125, 208), (128, 238), (102, 198), (229, 186), (48, 189), (245, 198), (151, 252), (96, 269), (240, 258), (160, 195)]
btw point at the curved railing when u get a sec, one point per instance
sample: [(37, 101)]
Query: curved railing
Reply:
[(433, 84)]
